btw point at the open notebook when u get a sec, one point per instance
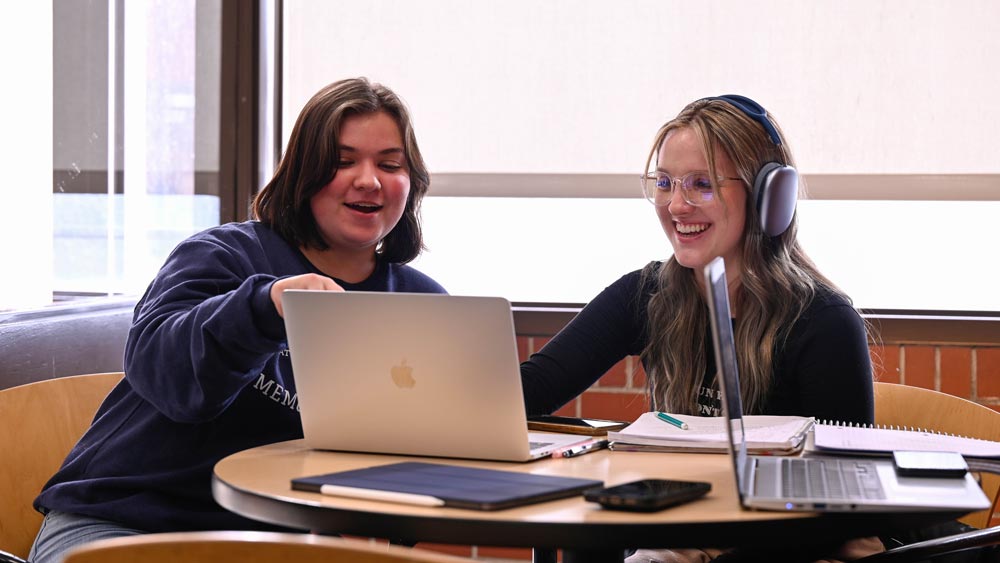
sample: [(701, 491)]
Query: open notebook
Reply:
[(765, 434)]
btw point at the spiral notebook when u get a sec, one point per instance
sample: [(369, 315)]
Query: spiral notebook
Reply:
[(831, 437)]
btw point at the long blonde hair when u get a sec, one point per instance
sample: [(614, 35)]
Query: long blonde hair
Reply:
[(777, 279)]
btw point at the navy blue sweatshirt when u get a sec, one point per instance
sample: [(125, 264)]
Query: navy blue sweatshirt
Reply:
[(207, 374)]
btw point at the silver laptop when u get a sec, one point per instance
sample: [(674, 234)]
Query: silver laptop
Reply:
[(830, 484), (408, 373)]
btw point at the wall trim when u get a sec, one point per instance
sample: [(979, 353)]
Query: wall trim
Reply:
[(909, 187)]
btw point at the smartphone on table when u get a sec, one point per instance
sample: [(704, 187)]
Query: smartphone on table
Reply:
[(573, 425), (930, 464), (648, 495)]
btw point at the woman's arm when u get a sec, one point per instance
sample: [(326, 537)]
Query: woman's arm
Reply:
[(831, 366), (204, 330), (606, 330)]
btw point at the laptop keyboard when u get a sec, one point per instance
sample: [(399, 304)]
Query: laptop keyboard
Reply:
[(830, 479), (536, 445)]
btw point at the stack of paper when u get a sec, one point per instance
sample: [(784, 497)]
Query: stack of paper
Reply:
[(765, 434)]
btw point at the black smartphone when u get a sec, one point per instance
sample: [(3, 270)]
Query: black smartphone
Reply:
[(647, 495), (573, 425), (929, 464)]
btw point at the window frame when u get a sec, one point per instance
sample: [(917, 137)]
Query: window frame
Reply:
[(881, 187)]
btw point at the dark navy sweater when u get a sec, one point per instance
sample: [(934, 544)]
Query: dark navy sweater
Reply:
[(207, 374)]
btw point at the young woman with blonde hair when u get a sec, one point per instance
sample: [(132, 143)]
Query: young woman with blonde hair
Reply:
[(722, 182)]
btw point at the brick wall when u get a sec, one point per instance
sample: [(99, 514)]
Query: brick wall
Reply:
[(619, 395), (970, 372)]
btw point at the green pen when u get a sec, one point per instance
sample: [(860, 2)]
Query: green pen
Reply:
[(671, 420)]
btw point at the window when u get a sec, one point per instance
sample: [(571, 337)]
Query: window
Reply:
[(536, 117), (128, 98)]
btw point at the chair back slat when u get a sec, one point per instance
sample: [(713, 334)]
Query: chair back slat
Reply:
[(39, 424), (903, 405), (248, 547)]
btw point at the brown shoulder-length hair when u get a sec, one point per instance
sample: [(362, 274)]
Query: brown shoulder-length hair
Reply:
[(777, 279), (311, 159)]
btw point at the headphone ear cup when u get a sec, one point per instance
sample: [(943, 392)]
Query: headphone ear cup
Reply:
[(776, 189)]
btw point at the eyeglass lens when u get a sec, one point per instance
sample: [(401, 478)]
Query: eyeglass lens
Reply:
[(696, 188)]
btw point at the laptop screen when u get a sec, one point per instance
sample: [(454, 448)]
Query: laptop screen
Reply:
[(725, 359)]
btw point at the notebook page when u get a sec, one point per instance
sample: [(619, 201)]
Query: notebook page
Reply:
[(887, 440)]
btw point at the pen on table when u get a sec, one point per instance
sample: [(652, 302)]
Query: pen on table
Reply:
[(375, 494), (580, 449), (671, 420)]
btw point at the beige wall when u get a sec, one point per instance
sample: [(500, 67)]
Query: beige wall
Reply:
[(880, 100), (861, 87)]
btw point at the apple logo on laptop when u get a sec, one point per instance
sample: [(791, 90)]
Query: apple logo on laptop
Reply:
[(402, 375)]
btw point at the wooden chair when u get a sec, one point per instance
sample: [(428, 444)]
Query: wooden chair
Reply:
[(39, 424), (247, 547), (902, 405)]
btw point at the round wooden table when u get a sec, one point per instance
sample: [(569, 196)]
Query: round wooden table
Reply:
[(256, 484)]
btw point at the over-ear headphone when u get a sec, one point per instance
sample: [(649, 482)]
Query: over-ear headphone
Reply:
[(776, 185)]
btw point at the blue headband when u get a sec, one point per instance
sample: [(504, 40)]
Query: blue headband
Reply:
[(754, 111)]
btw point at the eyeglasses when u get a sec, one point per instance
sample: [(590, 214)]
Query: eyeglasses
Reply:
[(697, 188)]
